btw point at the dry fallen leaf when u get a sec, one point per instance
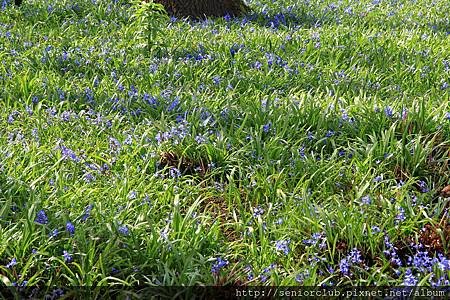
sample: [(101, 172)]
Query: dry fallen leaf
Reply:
[(446, 191)]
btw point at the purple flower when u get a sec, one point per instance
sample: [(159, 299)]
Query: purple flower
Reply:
[(388, 112), (173, 105), (69, 154), (70, 228), (174, 172), (67, 256), (54, 233), (329, 133), (218, 265), (12, 263), (423, 186), (409, 279), (132, 195), (375, 229), (314, 239), (282, 246), (266, 127), (366, 200), (400, 216), (258, 211), (301, 277), (88, 177), (124, 230), (41, 218), (355, 256), (344, 267), (114, 144), (87, 212)]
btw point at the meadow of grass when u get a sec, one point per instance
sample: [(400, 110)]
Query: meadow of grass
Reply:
[(304, 144)]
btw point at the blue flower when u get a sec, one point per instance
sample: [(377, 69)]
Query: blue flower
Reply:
[(173, 105), (258, 211), (87, 212), (366, 200), (70, 228), (132, 195), (12, 263), (124, 230), (174, 172), (218, 265), (400, 216), (67, 256), (409, 279), (423, 186), (282, 246), (41, 218), (69, 154), (54, 233), (375, 229), (388, 112), (266, 127), (344, 267)]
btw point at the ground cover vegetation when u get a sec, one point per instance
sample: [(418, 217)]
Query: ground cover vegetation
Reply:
[(305, 143)]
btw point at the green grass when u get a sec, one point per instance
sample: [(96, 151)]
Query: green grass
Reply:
[(303, 118)]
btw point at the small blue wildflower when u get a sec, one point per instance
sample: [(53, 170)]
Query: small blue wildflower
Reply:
[(69, 154), (114, 144), (88, 177), (54, 233), (344, 267), (423, 186), (329, 133), (132, 195), (87, 212), (400, 216), (67, 256), (267, 127), (218, 265), (388, 111), (124, 230), (258, 211), (375, 229), (41, 218), (282, 246), (173, 105), (174, 172), (366, 200), (354, 256), (314, 239), (409, 279), (216, 80), (302, 276), (128, 140), (12, 263), (200, 139), (70, 228)]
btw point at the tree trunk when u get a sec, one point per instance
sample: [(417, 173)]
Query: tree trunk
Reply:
[(204, 8)]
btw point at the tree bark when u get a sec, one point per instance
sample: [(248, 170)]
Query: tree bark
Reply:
[(204, 8)]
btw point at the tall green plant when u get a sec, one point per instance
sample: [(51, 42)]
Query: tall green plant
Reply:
[(149, 19)]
